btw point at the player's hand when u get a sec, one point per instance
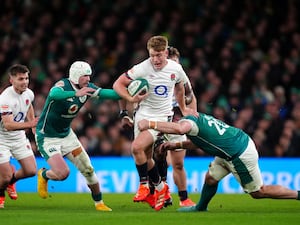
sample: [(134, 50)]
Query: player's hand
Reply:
[(159, 155), (126, 123), (139, 97), (143, 124), (33, 122), (85, 91), (164, 147)]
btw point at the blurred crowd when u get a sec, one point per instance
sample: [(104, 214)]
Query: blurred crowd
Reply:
[(242, 58)]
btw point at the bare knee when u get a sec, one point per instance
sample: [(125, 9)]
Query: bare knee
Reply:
[(210, 180), (6, 179), (178, 166), (30, 172), (136, 148), (62, 174)]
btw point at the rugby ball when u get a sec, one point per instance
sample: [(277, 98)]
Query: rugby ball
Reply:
[(138, 86)]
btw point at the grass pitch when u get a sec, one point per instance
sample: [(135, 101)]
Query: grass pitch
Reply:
[(75, 208)]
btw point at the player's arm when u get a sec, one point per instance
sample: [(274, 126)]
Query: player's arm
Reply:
[(120, 86), (58, 93), (9, 124), (181, 127), (179, 95), (190, 98), (108, 94), (188, 144), (31, 117)]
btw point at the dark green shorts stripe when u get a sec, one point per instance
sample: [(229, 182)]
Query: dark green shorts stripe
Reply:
[(242, 171)]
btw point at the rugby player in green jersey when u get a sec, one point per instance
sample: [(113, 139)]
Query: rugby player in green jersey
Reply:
[(54, 137), (234, 152)]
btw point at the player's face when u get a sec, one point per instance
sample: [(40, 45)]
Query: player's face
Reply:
[(84, 81), (158, 59), (20, 82)]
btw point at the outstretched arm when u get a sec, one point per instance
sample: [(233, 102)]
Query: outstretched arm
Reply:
[(182, 127), (188, 144), (58, 93)]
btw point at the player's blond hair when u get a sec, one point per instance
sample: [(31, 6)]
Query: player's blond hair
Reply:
[(157, 43)]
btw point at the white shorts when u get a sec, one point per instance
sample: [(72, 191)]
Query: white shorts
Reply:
[(176, 138), (245, 169), (153, 132), (19, 150), (51, 146)]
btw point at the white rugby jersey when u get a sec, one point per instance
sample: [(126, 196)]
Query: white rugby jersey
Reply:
[(16, 104), (161, 86)]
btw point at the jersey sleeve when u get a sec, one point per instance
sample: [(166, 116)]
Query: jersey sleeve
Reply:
[(5, 108), (182, 75), (136, 71), (192, 120), (31, 95), (58, 93), (108, 94)]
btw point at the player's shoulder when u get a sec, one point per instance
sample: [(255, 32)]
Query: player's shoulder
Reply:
[(61, 83), (174, 64), (7, 95), (7, 92), (29, 93)]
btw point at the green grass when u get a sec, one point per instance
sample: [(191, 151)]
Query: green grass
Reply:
[(73, 209)]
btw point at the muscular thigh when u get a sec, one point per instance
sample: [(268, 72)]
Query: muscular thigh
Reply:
[(249, 175), (244, 168), (218, 168), (21, 149)]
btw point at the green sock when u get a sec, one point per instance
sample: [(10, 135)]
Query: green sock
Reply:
[(208, 191), (298, 198), (97, 197), (44, 175)]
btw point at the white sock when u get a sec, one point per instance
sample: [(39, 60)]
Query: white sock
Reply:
[(160, 186)]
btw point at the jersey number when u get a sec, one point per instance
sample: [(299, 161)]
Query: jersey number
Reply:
[(220, 126)]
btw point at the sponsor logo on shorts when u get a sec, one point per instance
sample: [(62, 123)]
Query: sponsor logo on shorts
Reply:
[(52, 150)]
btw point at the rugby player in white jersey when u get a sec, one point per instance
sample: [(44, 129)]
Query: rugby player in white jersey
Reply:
[(16, 115), (176, 158), (164, 76)]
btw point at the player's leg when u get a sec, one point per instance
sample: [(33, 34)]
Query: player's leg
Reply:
[(51, 150), (275, 192), (142, 153), (179, 174), (162, 166), (27, 169), (22, 152), (248, 173), (5, 176), (81, 160), (216, 171), (58, 171)]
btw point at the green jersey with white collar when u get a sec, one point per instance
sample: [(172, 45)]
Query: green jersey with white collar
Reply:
[(216, 137), (62, 106)]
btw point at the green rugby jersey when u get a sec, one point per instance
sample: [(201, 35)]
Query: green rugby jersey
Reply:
[(62, 106), (218, 138)]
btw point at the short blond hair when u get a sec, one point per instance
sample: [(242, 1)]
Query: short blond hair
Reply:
[(157, 43)]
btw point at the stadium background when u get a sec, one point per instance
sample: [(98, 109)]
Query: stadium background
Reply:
[(242, 58)]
